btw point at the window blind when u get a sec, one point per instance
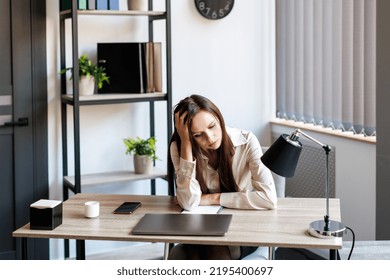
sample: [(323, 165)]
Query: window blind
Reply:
[(326, 63)]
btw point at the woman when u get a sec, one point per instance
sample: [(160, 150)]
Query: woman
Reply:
[(216, 165)]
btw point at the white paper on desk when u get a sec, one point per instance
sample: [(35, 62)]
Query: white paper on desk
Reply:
[(204, 209)]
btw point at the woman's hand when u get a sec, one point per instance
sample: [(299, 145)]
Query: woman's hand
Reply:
[(182, 129)]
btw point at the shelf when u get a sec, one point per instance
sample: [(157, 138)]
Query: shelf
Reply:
[(153, 14), (100, 99), (75, 182), (114, 177)]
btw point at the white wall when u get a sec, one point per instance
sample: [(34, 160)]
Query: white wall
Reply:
[(231, 61)]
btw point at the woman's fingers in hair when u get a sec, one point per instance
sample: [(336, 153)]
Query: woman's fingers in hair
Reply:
[(181, 117), (181, 125)]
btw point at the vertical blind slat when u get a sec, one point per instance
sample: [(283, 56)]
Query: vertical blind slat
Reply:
[(370, 67), (326, 60), (318, 68), (336, 71), (299, 60), (358, 81), (280, 57), (347, 64), (327, 54), (308, 67), (290, 57)]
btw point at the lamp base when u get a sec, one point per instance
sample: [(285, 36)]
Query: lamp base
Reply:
[(318, 229)]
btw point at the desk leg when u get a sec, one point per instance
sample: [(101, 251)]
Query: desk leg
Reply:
[(24, 248), (332, 254), (166, 250), (80, 249), (66, 249), (271, 253)]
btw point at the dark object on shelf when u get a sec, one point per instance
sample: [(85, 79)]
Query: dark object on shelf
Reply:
[(45, 214), (131, 67), (67, 5), (126, 65)]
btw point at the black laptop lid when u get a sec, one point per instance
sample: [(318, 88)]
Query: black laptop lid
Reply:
[(182, 224)]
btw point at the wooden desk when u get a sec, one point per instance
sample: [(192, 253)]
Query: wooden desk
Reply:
[(284, 227)]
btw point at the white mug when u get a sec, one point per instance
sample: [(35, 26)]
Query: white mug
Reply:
[(91, 209)]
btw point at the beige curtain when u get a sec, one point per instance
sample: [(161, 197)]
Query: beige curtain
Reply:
[(325, 61)]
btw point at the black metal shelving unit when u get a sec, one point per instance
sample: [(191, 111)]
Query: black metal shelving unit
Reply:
[(75, 183)]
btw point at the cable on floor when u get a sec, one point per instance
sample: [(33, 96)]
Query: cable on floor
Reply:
[(352, 246)]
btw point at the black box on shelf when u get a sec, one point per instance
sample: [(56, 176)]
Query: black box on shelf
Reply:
[(125, 65), (133, 67), (45, 214)]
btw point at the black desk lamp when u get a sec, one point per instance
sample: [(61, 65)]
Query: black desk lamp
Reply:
[(282, 158)]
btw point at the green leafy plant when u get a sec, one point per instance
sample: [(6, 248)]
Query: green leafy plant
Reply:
[(87, 68), (139, 146)]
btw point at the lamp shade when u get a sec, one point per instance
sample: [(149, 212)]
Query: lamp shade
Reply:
[(282, 157)]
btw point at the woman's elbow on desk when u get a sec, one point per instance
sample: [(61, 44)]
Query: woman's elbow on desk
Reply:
[(187, 202), (271, 201), (273, 204)]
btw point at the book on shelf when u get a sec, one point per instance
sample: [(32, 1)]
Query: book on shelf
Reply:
[(82, 4), (101, 4), (154, 73), (157, 67), (153, 67), (123, 5), (91, 4), (132, 67), (113, 4), (67, 5)]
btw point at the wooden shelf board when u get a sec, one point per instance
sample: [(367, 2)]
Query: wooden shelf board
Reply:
[(115, 177), (68, 13), (107, 98)]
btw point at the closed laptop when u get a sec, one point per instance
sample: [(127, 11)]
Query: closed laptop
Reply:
[(181, 224)]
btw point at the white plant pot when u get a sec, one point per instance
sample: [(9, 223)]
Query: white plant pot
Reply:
[(138, 5), (142, 164), (87, 85)]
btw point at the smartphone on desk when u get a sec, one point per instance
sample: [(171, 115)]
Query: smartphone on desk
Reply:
[(127, 207)]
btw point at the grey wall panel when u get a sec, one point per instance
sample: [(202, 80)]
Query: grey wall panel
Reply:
[(6, 198), (383, 122)]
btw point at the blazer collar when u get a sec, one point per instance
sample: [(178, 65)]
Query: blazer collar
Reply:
[(237, 136)]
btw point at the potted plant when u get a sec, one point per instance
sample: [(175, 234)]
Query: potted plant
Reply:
[(89, 75), (144, 153)]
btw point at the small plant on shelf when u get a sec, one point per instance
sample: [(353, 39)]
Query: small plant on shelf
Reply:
[(144, 151), (139, 146), (89, 71)]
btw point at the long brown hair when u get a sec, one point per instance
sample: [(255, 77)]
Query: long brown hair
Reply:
[(192, 105)]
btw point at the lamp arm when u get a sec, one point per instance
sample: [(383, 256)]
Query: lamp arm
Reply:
[(294, 136), (297, 132)]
